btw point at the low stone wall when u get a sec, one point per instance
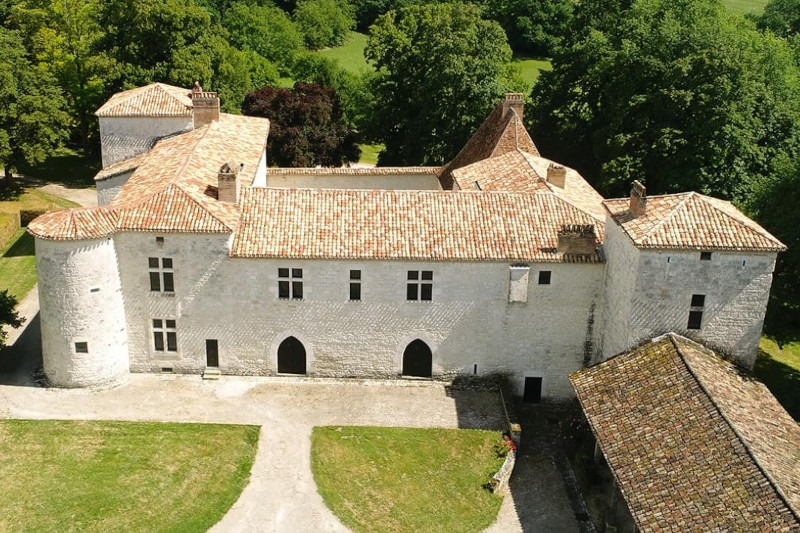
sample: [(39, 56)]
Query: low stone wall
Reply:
[(499, 482)]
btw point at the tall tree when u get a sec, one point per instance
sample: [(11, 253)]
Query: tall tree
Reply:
[(8, 315), (307, 126), (679, 94), (267, 30), (539, 28), (324, 22), (32, 117), (782, 17), (774, 205), (441, 69)]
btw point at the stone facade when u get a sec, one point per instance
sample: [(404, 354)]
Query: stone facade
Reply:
[(108, 188), (649, 292), (376, 180), (124, 137)]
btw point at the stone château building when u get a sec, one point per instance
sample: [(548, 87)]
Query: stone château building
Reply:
[(201, 258)]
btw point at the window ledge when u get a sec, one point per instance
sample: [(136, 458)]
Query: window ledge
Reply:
[(162, 294)]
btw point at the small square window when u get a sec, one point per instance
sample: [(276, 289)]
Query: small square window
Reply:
[(166, 262), (153, 262), (297, 272), (283, 272), (427, 274), (698, 300), (81, 347), (159, 240), (544, 277), (355, 274), (705, 256), (170, 323), (157, 323), (413, 274)]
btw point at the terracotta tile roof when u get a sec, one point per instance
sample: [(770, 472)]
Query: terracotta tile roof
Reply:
[(154, 100), (694, 221), (501, 132), (695, 443), (120, 167), (417, 225), (74, 224), (361, 171), (519, 171)]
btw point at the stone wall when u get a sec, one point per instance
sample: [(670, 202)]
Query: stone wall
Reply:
[(360, 180), (81, 301), (124, 137), (108, 188), (469, 321), (648, 293)]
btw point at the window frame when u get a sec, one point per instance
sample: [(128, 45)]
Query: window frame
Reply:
[(355, 285), (290, 283), (162, 274), (545, 277), (165, 335), (697, 307), (419, 286)]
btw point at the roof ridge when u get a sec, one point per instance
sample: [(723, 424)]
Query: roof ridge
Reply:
[(767, 235), (669, 217), (673, 339)]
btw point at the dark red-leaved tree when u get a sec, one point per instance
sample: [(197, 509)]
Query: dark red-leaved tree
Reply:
[(307, 128)]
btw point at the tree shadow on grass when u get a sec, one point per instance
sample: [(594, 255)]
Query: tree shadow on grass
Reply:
[(782, 380)]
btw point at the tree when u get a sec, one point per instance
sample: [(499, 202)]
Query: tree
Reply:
[(538, 28), (267, 30), (774, 205), (32, 117), (441, 69), (679, 94), (8, 315), (324, 22), (307, 127), (782, 17)]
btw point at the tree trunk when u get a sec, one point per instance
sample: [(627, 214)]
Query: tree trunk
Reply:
[(7, 176)]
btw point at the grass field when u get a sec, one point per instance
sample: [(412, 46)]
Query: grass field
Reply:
[(120, 476), (403, 479), (351, 54), (17, 262), (369, 153), (746, 6), (531, 67), (779, 369)]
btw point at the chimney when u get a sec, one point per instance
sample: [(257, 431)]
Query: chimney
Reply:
[(515, 101), (205, 105), (638, 205), (577, 239), (557, 175), (228, 183)]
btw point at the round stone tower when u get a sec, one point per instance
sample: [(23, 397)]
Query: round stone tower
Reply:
[(84, 338)]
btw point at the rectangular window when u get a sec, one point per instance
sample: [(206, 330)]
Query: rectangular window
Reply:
[(544, 277), (165, 336), (696, 312), (705, 256), (419, 285), (81, 347), (355, 285), (290, 283), (162, 278)]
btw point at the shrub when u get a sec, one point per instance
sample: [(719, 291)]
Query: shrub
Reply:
[(324, 22)]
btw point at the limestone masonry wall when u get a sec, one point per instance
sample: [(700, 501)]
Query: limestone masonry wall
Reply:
[(108, 188), (124, 137), (81, 302), (469, 321)]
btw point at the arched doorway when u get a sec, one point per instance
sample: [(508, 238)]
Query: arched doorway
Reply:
[(417, 360), (291, 357)]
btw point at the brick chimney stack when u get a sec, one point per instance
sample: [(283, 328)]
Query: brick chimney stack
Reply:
[(228, 185), (557, 175), (577, 239), (515, 101), (205, 105), (638, 205)]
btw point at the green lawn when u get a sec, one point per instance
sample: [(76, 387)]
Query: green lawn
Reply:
[(369, 153), (66, 167), (531, 67), (351, 54), (746, 6), (404, 479), (779, 369), (120, 476)]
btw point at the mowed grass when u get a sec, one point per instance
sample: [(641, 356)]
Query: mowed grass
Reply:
[(369, 153), (17, 260), (779, 369), (120, 476), (530, 68), (743, 7), (404, 479), (351, 54)]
